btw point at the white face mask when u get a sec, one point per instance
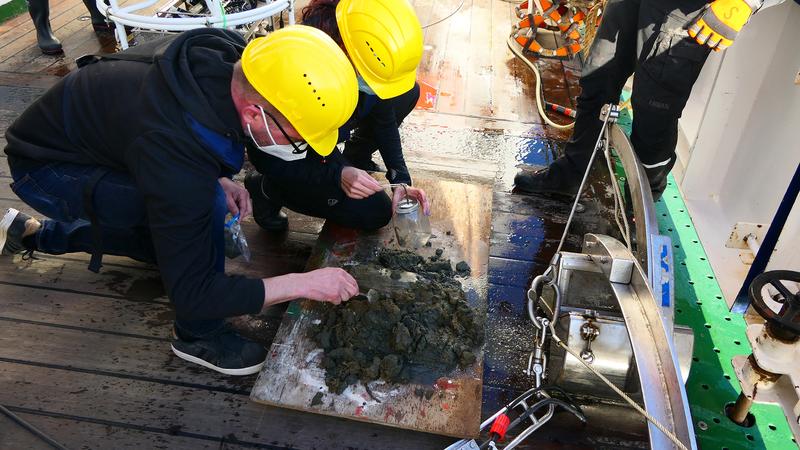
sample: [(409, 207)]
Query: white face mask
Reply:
[(286, 152)]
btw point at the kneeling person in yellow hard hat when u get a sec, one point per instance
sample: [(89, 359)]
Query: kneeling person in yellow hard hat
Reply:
[(383, 40), (132, 155)]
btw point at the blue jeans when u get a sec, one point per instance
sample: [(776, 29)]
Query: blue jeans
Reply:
[(56, 190)]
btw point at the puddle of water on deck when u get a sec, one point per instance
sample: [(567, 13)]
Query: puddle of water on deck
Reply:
[(509, 151)]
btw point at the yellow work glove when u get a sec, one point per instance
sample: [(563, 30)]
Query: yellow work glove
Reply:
[(721, 21)]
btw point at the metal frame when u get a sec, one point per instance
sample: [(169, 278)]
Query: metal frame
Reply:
[(720, 336), (653, 250), (641, 198), (659, 374), (128, 15)]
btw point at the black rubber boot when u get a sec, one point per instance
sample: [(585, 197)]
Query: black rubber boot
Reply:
[(98, 19), (554, 179), (100, 23), (266, 213), (40, 14)]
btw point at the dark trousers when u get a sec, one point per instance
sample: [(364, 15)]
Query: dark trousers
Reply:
[(330, 203), (646, 38), (56, 190)]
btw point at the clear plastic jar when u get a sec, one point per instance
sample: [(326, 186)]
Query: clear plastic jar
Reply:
[(411, 226)]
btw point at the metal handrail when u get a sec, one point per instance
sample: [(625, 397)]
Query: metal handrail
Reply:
[(644, 210)]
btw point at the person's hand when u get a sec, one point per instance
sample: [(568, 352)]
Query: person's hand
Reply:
[(413, 192), (358, 184), (332, 285), (721, 21), (236, 197)]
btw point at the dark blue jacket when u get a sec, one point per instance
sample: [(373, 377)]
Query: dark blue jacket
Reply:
[(379, 116), (172, 125)]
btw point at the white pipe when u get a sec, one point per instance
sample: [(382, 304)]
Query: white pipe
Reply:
[(240, 17), (752, 243), (126, 16)]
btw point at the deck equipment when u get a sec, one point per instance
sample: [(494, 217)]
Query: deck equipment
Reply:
[(575, 21), (182, 15), (771, 373), (607, 312)]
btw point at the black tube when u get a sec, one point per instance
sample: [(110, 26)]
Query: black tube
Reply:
[(53, 443)]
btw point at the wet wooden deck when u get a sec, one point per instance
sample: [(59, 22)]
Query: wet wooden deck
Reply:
[(85, 357)]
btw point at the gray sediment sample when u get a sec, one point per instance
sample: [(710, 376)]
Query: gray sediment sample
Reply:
[(427, 328)]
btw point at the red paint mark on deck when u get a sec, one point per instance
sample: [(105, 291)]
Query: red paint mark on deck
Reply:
[(445, 384), (427, 95)]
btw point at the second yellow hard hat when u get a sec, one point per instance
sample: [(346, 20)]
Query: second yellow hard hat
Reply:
[(384, 41), (303, 73)]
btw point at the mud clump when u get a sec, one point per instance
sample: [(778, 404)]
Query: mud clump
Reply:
[(400, 260), (434, 267), (428, 326)]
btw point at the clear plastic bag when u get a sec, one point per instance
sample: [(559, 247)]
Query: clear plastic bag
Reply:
[(235, 242)]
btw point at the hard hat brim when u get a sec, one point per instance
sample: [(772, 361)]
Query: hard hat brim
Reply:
[(389, 90), (324, 146)]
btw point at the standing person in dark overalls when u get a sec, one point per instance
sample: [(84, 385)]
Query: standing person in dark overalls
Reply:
[(664, 44), (133, 154), (383, 40)]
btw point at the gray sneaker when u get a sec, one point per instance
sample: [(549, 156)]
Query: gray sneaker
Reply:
[(13, 227)]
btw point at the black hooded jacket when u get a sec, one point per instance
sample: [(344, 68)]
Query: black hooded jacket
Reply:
[(170, 122)]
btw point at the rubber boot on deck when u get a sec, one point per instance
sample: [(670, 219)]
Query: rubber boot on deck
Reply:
[(99, 22), (40, 14)]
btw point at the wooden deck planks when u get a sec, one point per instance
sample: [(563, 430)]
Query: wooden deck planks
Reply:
[(22, 24), (186, 411), (479, 73), (453, 72), (76, 434), (145, 319), (15, 436), (113, 353), (21, 49)]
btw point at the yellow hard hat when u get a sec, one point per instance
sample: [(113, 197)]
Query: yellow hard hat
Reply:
[(384, 40), (303, 73)]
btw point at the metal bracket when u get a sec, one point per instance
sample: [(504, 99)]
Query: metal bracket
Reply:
[(589, 333)]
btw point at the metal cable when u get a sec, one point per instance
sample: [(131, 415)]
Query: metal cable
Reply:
[(619, 203), (583, 181), (455, 11)]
